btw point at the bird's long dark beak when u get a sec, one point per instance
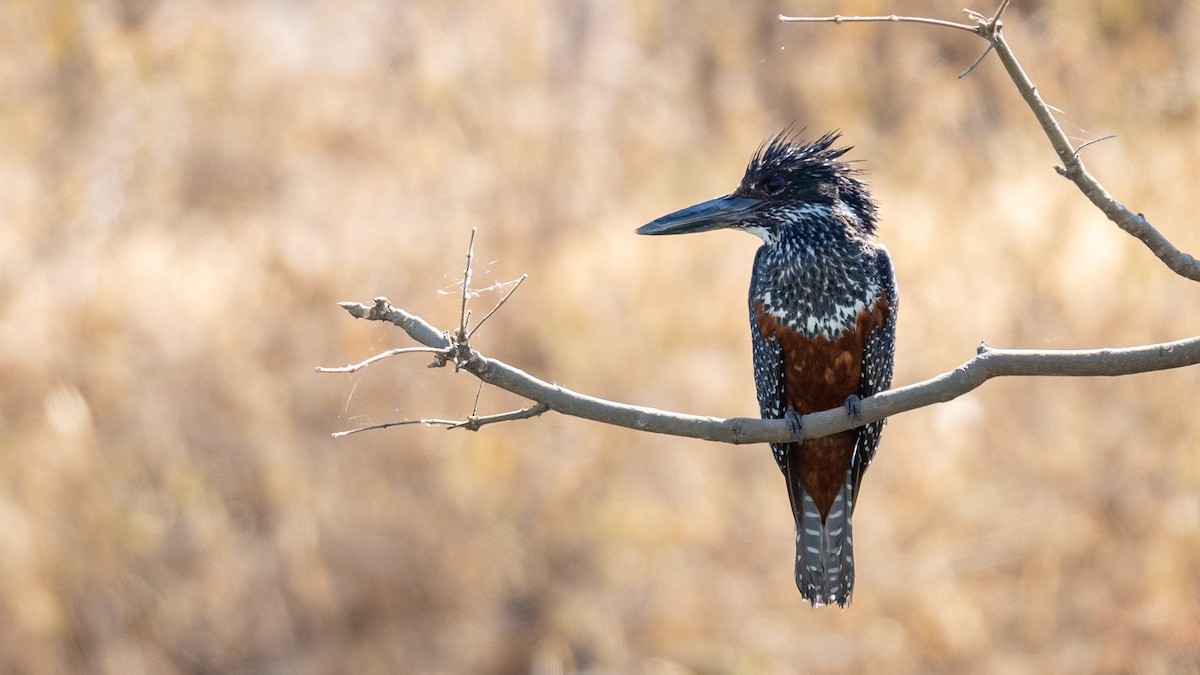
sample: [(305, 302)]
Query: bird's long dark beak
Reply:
[(713, 214)]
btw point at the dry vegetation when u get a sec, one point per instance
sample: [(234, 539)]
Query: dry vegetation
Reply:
[(188, 188)]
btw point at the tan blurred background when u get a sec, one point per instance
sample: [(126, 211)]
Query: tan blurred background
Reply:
[(187, 188)]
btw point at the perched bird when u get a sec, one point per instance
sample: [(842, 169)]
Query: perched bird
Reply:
[(823, 323)]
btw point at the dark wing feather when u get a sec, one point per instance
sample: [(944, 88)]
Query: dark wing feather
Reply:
[(878, 355), (768, 373), (768, 380)]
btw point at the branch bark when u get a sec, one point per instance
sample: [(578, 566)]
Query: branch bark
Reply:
[(988, 363)]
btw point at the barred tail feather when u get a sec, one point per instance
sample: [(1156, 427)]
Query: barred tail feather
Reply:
[(825, 551)]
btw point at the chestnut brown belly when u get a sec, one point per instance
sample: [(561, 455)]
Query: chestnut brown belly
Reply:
[(819, 373)]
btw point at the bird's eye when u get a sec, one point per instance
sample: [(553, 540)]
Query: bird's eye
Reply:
[(773, 184)]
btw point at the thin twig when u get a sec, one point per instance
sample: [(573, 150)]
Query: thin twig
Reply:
[(472, 423), (978, 61), (1093, 142), (891, 18), (498, 305), (999, 11), (478, 393), (379, 357), (462, 313), (388, 425)]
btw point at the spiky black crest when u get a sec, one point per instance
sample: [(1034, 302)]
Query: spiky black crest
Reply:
[(787, 150), (787, 167)]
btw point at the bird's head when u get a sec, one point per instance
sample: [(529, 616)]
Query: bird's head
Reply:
[(788, 184)]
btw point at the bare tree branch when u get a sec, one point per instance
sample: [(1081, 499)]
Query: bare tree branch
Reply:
[(987, 364), (1073, 168)]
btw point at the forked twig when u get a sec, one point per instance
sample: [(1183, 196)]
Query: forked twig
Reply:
[(454, 349)]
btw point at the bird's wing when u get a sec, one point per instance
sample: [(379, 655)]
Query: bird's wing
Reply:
[(878, 353), (772, 404), (768, 371), (768, 380)]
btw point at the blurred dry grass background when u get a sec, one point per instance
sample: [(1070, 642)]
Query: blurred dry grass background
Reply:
[(188, 187)]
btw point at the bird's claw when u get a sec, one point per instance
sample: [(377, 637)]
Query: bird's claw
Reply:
[(854, 410), (795, 423)]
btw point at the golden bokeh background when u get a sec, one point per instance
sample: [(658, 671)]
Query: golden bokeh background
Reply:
[(189, 187)]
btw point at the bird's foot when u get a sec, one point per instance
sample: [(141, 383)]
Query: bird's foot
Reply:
[(854, 409), (795, 423)]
